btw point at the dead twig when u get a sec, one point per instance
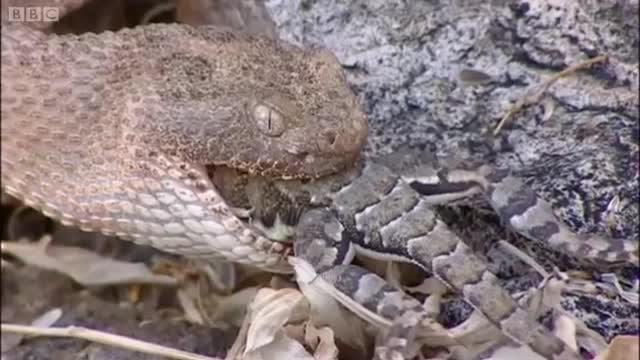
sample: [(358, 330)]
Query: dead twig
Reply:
[(105, 339), (534, 98)]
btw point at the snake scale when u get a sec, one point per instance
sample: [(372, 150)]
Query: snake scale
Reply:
[(129, 134), (114, 132)]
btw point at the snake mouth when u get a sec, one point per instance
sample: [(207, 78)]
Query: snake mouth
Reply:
[(230, 184), (256, 201), (298, 165)]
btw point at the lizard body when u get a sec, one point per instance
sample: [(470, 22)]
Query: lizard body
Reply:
[(371, 210)]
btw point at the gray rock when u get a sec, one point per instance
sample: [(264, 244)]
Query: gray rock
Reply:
[(578, 147), (441, 74)]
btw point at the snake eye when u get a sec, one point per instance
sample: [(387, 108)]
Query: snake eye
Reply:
[(268, 120)]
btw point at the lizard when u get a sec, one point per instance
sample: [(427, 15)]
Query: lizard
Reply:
[(116, 132), (381, 208)]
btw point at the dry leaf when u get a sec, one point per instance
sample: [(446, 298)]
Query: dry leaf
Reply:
[(269, 334), (326, 310), (322, 340), (629, 295), (11, 340), (269, 312), (280, 347), (232, 309), (85, 267), (188, 304), (623, 347), (48, 319), (476, 329), (565, 329), (510, 353)]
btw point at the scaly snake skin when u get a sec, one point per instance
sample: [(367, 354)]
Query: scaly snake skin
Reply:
[(116, 132)]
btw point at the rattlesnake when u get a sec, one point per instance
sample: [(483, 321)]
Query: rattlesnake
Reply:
[(114, 132)]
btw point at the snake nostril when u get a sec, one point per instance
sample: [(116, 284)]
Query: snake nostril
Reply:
[(302, 155), (329, 137)]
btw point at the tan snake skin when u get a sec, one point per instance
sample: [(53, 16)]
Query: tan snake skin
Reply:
[(113, 132)]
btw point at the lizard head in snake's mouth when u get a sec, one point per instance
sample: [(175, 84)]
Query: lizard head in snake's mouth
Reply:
[(258, 201)]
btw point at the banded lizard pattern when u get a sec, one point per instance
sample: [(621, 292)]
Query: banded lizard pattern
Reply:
[(373, 211)]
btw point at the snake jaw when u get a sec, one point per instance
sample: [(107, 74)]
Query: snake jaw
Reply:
[(279, 231), (261, 205)]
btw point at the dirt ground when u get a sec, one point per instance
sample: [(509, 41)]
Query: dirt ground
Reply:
[(28, 292)]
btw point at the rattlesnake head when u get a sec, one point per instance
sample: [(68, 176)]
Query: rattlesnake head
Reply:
[(252, 103)]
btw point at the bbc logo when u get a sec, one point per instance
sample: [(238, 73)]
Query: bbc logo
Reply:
[(33, 14)]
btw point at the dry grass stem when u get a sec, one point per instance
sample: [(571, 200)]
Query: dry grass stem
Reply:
[(105, 339), (534, 98)]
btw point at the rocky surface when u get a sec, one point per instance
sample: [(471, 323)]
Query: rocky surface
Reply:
[(440, 75), (578, 147)]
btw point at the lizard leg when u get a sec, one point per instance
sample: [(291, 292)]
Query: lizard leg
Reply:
[(319, 241)]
